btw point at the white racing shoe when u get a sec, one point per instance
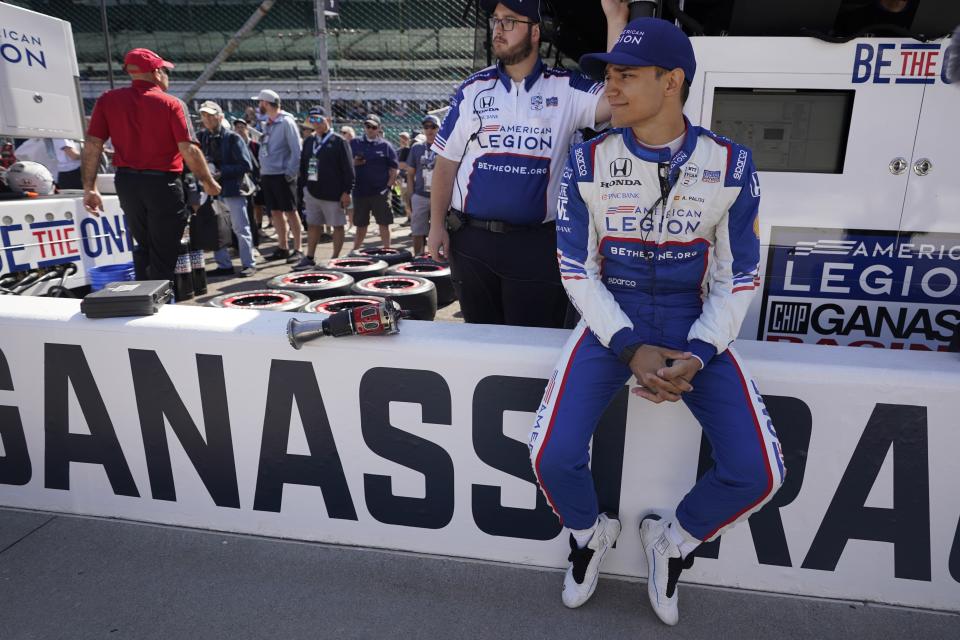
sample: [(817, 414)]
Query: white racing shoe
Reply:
[(581, 579), (664, 564)]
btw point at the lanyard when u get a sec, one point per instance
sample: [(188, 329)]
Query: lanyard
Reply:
[(319, 143)]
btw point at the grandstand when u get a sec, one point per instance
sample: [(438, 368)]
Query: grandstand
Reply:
[(395, 57)]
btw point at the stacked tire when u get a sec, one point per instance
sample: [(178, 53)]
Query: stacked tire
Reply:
[(359, 267), (389, 255), (435, 272), (261, 300), (314, 284), (414, 294), (328, 306)]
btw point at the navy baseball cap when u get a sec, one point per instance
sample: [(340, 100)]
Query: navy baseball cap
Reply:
[(645, 42), (317, 111), (527, 8)]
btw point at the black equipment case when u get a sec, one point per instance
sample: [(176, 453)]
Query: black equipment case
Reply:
[(127, 298)]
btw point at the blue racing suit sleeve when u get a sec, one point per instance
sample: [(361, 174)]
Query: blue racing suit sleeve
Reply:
[(735, 276), (577, 252)]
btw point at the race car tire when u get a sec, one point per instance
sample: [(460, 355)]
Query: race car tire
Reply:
[(314, 284), (261, 300), (358, 267), (328, 306), (390, 256), (414, 294), (438, 274)]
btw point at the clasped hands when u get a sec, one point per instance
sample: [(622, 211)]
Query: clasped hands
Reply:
[(658, 381)]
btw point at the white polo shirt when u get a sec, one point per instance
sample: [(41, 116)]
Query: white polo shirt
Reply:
[(512, 139), (64, 162)]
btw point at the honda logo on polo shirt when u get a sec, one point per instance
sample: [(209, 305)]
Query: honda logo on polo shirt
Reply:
[(621, 168), (486, 102)]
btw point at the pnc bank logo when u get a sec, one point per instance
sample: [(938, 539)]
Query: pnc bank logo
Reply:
[(621, 168)]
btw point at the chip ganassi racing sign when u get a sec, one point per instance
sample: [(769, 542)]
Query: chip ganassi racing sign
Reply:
[(862, 288)]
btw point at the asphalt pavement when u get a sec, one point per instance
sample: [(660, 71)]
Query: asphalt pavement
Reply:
[(72, 578)]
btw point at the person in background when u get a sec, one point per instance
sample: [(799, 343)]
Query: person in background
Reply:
[(68, 164), (7, 155), (306, 131), (255, 199), (376, 165), (404, 141), (307, 134), (152, 138), (254, 121), (226, 151), (279, 167), (326, 180), (349, 133), (403, 151), (420, 165)]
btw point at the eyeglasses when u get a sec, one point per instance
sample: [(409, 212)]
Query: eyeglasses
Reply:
[(315, 119), (430, 126), (507, 24), (371, 126)]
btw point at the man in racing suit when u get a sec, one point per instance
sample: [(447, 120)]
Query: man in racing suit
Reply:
[(658, 244)]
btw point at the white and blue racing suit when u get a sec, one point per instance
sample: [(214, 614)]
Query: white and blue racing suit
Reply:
[(511, 140), (663, 251)]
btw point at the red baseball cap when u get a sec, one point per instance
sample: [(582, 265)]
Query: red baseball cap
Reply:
[(145, 60)]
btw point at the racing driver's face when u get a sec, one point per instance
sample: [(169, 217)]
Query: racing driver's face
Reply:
[(635, 94)]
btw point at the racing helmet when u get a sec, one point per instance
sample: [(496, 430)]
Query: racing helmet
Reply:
[(26, 176)]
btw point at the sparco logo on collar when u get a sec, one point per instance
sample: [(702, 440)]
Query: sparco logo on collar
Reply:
[(581, 162), (741, 163), (621, 168), (486, 102)]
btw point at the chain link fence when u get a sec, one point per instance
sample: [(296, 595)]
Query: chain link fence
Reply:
[(396, 58)]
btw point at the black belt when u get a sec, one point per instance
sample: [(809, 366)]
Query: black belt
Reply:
[(499, 226), (148, 172)]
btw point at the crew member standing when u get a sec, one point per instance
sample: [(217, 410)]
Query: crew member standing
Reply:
[(152, 138), (501, 151)]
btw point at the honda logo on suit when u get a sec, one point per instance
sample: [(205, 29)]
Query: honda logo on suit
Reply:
[(621, 168)]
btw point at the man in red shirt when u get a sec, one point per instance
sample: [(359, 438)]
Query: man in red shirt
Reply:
[(152, 137)]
